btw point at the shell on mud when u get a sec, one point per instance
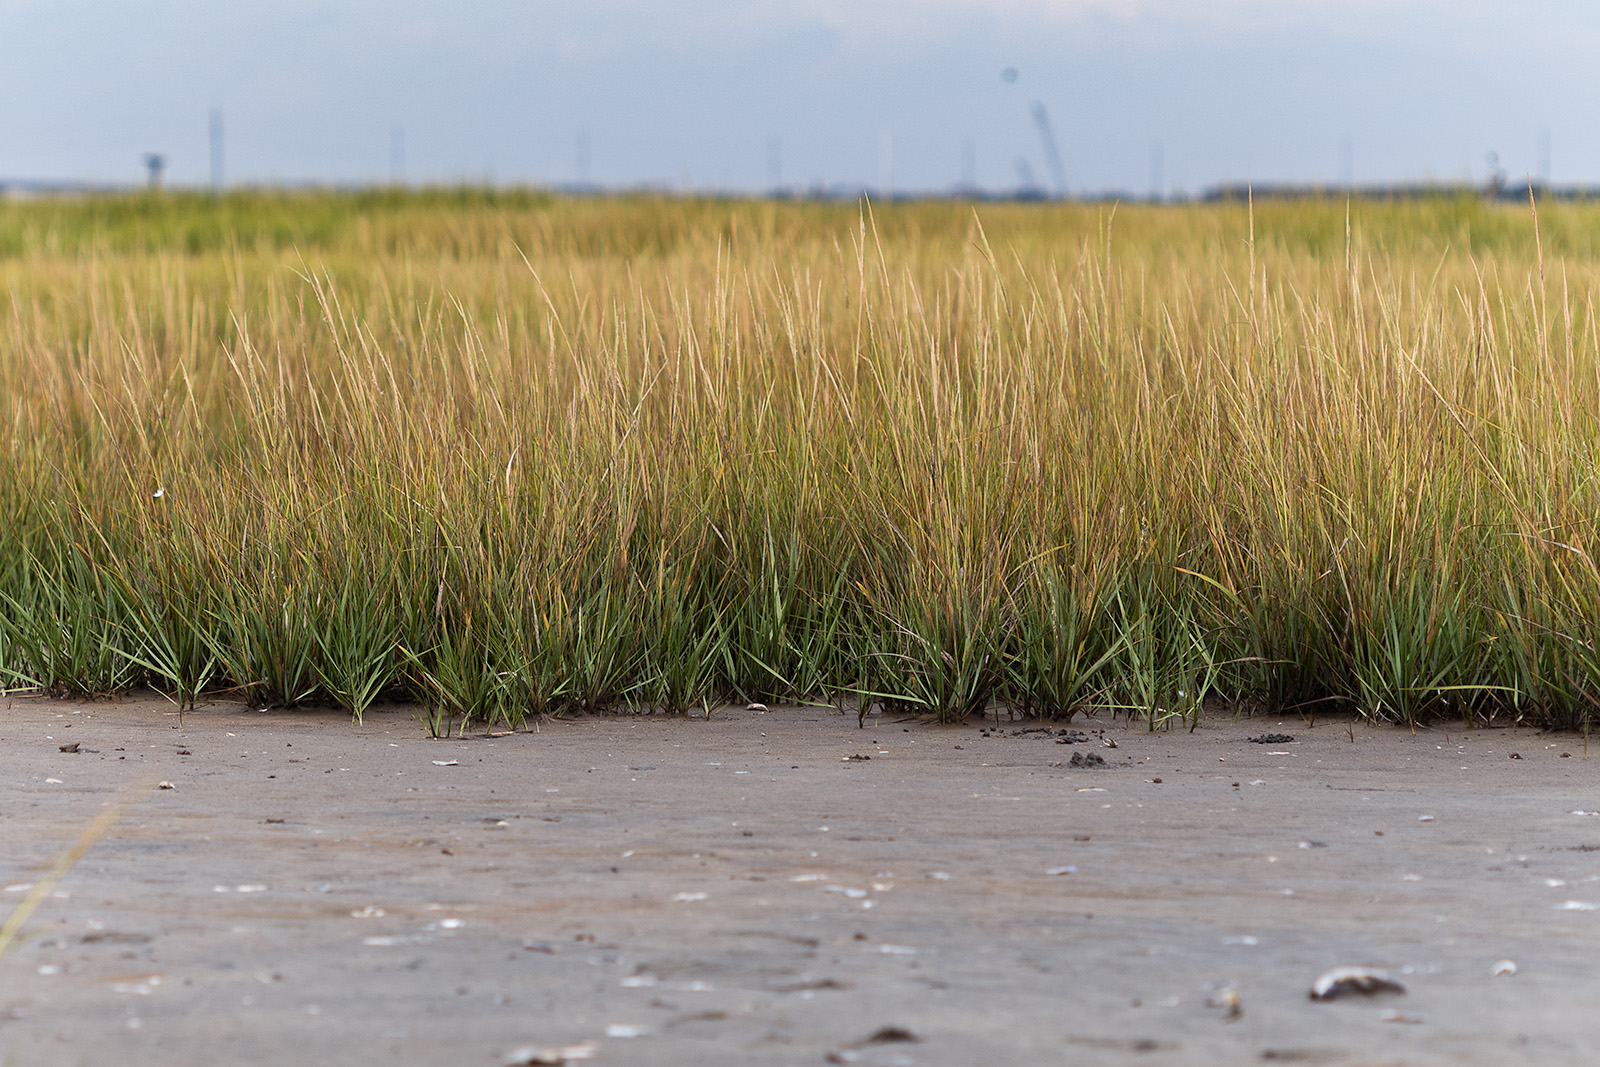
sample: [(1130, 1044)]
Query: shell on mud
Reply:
[(537, 1056), (1343, 981), (1228, 1000)]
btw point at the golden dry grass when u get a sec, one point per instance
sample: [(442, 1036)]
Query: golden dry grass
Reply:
[(511, 455)]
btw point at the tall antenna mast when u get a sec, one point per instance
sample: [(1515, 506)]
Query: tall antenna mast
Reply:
[(216, 150), (1052, 156)]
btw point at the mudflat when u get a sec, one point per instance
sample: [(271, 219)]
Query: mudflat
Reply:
[(782, 887)]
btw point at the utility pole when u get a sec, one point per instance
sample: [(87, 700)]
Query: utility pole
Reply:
[(1496, 183), (216, 150), (886, 163)]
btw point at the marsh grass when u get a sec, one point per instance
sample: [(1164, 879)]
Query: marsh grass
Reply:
[(508, 456)]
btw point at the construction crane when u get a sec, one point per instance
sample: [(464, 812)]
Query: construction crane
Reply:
[(1041, 119)]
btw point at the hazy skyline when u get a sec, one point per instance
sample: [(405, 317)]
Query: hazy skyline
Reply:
[(712, 94)]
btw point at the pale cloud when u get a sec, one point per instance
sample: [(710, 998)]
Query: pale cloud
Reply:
[(1226, 16), (1184, 23), (1232, 16)]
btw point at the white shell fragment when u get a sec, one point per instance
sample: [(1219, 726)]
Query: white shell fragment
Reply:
[(1343, 981), (1506, 967), (139, 987), (536, 1056), (447, 763), (165, 785), (755, 707)]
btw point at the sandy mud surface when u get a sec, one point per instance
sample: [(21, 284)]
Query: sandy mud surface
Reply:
[(748, 891)]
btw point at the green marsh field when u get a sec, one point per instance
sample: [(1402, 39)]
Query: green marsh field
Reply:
[(507, 455)]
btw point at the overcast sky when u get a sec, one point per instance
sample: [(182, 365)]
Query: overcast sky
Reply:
[(727, 94)]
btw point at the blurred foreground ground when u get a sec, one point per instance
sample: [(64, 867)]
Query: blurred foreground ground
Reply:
[(743, 890)]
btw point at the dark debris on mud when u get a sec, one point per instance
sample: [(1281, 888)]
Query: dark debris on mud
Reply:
[(1044, 733)]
